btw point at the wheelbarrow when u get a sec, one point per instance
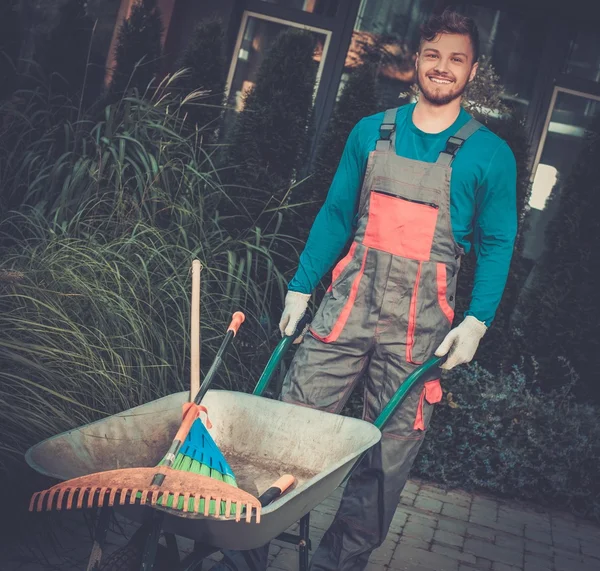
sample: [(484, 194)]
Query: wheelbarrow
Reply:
[(262, 440)]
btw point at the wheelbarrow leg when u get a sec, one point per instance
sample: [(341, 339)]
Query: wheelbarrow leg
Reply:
[(304, 543), (99, 538), (172, 548), (151, 544)]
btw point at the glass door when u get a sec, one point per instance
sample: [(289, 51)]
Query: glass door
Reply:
[(570, 116)]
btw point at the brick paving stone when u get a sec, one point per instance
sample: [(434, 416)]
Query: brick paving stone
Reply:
[(448, 538), (483, 563), (428, 504), (453, 526), (287, 559), (537, 534), (485, 549), (504, 567), (453, 553), (416, 530), (510, 541), (482, 532), (406, 558), (591, 549), (455, 511), (539, 548)]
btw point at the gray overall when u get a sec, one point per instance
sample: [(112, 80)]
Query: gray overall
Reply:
[(390, 304)]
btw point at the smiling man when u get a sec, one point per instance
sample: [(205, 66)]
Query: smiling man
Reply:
[(415, 189)]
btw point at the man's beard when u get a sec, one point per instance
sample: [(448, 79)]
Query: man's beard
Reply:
[(438, 98)]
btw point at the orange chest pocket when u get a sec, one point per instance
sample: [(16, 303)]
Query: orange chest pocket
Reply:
[(401, 226)]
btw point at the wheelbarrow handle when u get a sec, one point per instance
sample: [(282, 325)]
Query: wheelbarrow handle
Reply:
[(404, 389), (278, 354)]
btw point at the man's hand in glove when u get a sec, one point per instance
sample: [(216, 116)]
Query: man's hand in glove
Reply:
[(295, 306), (462, 342)]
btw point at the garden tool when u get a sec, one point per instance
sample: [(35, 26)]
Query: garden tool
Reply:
[(161, 485)]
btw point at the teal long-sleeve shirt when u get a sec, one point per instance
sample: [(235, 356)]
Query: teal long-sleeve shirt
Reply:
[(482, 203)]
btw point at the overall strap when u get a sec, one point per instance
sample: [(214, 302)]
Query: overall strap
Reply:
[(454, 143), (388, 126)]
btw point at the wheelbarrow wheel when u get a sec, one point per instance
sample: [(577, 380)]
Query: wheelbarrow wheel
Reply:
[(129, 557)]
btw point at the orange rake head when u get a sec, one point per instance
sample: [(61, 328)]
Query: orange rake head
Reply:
[(181, 491)]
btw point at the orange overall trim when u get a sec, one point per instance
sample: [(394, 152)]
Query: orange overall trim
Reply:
[(412, 317), (345, 313), (442, 292), (432, 391), (339, 268)]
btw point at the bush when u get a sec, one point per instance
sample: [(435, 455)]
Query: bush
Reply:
[(139, 49), (268, 139), (562, 311), (502, 434), (357, 100), (204, 59)]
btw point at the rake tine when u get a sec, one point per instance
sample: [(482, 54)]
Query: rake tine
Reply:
[(175, 503), (80, 497), (186, 501), (248, 513), (34, 501), (123, 496), (228, 508), (144, 497), (206, 505), (112, 496), (155, 497), (91, 496), (197, 499), (258, 512), (133, 496), (70, 497), (50, 499), (59, 501), (102, 496), (238, 511)]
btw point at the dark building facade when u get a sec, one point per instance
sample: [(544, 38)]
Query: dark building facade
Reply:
[(546, 54)]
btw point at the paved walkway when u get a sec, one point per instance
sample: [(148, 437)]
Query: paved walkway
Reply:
[(432, 531)]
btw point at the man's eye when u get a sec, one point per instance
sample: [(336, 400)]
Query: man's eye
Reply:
[(431, 55), (457, 60)]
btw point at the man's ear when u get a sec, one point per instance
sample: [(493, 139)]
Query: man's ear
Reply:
[(417, 61), (473, 71)]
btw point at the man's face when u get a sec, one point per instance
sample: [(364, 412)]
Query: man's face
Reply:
[(445, 67)]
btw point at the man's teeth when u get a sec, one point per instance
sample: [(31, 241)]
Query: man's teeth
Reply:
[(437, 80)]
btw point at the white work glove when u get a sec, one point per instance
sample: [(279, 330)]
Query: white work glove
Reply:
[(461, 342), (295, 307)]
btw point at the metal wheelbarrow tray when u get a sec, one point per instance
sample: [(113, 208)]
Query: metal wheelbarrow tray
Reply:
[(261, 438)]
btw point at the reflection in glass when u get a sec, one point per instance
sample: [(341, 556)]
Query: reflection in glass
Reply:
[(258, 36), (584, 56), (572, 116), (323, 7), (388, 33), (511, 41)]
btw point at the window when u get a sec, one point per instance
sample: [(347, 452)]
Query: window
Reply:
[(570, 116), (390, 32), (257, 33), (512, 42), (322, 7), (584, 56)]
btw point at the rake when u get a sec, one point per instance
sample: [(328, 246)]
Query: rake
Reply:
[(164, 485)]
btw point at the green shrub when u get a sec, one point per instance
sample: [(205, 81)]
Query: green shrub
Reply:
[(268, 139), (561, 311), (204, 60), (502, 434), (139, 49)]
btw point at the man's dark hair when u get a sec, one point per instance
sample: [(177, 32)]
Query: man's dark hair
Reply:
[(450, 22)]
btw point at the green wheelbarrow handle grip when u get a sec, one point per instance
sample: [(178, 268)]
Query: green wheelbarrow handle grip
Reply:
[(404, 389), (278, 354)]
